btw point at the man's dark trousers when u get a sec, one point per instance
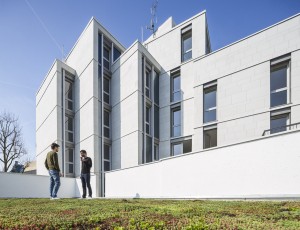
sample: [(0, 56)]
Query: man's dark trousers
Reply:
[(85, 181)]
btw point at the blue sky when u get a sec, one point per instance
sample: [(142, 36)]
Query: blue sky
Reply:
[(27, 51)]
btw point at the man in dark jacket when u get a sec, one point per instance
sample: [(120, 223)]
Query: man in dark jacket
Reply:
[(51, 164), (86, 165)]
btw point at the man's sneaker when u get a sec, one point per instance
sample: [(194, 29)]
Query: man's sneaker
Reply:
[(89, 197), (55, 198)]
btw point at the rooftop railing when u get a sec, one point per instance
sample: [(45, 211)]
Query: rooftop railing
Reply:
[(281, 129)]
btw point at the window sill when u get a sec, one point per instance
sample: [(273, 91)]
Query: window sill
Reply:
[(281, 106)]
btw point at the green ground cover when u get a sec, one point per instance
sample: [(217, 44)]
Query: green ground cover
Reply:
[(147, 214)]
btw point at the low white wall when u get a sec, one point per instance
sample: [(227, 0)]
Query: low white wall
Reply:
[(263, 168), (15, 185)]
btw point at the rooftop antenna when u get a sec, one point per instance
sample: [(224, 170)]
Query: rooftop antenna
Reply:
[(153, 20)]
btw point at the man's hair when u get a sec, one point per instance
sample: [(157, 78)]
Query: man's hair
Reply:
[(54, 145), (83, 151)]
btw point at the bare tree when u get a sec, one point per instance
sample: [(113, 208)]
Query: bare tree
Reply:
[(11, 143)]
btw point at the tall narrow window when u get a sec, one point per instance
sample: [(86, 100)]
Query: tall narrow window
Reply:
[(117, 53), (148, 120), (69, 160), (106, 124), (186, 43), (279, 121), (176, 122), (69, 95), (148, 83), (107, 157), (156, 152), (106, 90), (99, 49), (280, 83), (175, 87), (210, 103), (156, 122), (69, 127), (181, 147), (156, 88), (106, 58), (149, 157), (210, 137)]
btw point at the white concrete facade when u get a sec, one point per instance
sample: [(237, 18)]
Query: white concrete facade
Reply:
[(125, 113)]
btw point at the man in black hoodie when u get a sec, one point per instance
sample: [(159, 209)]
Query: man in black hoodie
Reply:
[(86, 165)]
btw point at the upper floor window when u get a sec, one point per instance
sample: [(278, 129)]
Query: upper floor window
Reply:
[(69, 129), (117, 54), (280, 71), (107, 157), (175, 86), (176, 122), (69, 95), (148, 120), (148, 83), (186, 43), (280, 120), (181, 147), (210, 137), (210, 102), (106, 90), (156, 88), (106, 58), (106, 123)]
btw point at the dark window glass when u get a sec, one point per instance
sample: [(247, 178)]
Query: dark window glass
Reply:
[(187, 146), (148, 120), (71, 168), (279, 123), (156, 121), (156, 152), (176, 122), (279, 84), (106, 58), (69, 136), (187, 46), (177, 149), (176, 90), (148, 83), (156, 88), (69, 123), (279, 78), (148, 149), (106, 118), (210, 138), (106, 166), (279, 98), (106, 90), (69, 95), (106, 132), (117, 53), (99, 48), (106, 87), (70, 155), (210, 104), (106, 152)]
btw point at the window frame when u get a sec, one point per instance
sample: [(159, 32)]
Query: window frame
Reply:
[(175, 109), (175, 74), (70, 163), (109, 88), (109, 57), (148, 81), (286, 113), (208, 88), (109, 125), (209, 128), (67, 117), (107, 160), (186, 33)]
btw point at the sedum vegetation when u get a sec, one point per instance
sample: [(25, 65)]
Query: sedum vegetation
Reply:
[(147, 214)]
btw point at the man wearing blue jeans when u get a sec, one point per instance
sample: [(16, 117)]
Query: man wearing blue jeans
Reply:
[(86, 165), (52, 165)]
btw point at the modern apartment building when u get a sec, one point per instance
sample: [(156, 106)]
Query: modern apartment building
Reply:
[(170, 96)]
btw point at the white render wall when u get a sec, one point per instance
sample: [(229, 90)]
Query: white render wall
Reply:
[(262, 168), (34, 186), (242, 71)]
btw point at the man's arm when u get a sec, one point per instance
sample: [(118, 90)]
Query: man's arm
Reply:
[(55, 161), (90, 163), (46, 164)]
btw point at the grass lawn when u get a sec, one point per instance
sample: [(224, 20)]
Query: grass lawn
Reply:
[(147, 214)]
